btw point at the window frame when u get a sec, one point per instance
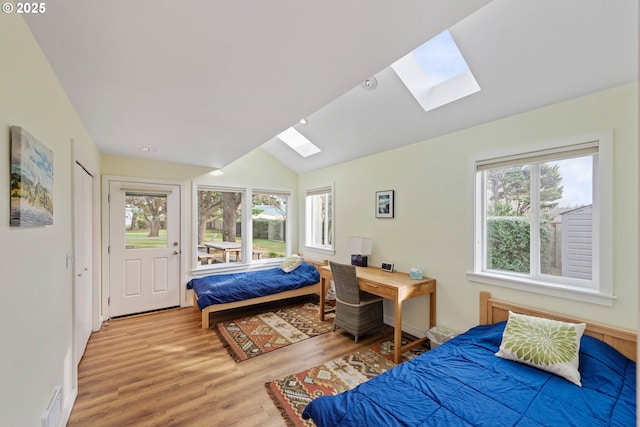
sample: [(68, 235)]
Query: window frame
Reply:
[(308, 222), (600, 290), (287, 242), (246, 230)]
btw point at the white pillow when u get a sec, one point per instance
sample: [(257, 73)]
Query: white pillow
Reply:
[(290, 263), (550, 345)]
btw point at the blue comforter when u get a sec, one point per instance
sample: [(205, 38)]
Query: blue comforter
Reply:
[(462, 383), (223, 288)]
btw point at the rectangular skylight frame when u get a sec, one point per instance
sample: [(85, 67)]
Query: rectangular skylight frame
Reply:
[(298, 142), (431, 96)]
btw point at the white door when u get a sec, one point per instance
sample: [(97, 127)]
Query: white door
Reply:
[(144, 247), (83, 256)]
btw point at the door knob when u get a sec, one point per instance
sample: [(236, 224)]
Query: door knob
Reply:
[(176, 252), (175, 243)]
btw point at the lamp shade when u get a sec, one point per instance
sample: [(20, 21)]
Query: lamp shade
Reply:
[(359, 245)]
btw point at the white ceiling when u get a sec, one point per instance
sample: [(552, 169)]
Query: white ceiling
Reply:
[(205, 82)]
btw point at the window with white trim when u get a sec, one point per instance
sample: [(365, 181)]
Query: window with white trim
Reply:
[(319, 218), (219, 225), (543, 217), (238, 226), (269, 224)]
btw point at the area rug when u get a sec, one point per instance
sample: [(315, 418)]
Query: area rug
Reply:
[(294, 392), (251, 336)]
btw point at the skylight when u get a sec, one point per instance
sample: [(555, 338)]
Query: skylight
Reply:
[(298, 142), (436, 73)]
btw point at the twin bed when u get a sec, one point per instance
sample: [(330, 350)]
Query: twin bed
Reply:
[(226, 291), (463, 383)]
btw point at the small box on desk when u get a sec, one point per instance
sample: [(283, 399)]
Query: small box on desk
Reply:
[(359, 260)]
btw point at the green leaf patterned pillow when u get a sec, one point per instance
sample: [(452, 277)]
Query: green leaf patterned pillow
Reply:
[(291, 263), (550, 345)]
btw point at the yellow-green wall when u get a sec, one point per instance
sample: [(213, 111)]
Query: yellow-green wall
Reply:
[(433, 195), (431, 228), (36, 292), (256, 170)]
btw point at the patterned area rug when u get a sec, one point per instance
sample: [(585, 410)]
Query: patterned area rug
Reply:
[(252, 336), (294, 392)]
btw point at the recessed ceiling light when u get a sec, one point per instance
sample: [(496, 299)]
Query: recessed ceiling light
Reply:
[(303, 121), (148, 149), (217, 172)]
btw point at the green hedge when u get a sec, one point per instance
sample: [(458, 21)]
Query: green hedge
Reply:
[(508, 244)]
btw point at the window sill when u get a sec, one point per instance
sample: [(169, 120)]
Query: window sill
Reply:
[(323, 251), (234, 267), (555, 290)]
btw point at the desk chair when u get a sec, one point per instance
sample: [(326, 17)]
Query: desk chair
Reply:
[(357, 312)]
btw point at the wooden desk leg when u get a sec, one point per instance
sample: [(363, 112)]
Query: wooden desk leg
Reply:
[(397, 332), (432, 309), (323, 293)]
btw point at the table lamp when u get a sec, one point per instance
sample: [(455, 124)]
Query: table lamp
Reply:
[(359, 247)]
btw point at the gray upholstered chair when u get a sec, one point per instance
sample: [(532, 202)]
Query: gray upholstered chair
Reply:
[(357, 312)]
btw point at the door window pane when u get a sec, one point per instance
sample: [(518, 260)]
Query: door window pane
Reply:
[(145, 221)]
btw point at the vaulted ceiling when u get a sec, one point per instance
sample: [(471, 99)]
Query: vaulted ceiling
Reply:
[(205, 82)]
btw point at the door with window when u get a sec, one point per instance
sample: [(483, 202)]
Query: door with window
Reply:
[(144, 247)]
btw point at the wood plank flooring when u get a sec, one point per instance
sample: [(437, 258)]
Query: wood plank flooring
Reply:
[(163, 369)]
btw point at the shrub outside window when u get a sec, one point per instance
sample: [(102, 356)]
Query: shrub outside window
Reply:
[(269, 219)]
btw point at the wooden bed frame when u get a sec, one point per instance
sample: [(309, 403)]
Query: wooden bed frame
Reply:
[(316, 288), (623, 340)]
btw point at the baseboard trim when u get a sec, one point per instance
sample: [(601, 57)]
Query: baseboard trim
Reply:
[(68, 407)]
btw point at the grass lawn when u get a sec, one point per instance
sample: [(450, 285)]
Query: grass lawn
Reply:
[(138, 239)]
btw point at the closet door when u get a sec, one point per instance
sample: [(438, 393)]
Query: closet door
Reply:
[(83, 271)]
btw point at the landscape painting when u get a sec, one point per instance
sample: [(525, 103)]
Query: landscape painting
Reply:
[(31, 180)]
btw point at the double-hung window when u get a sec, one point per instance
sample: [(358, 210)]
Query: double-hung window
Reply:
[(319, 219), (542, 218)]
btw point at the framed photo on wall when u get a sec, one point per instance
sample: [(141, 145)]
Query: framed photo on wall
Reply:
[(31, 180), (384, 204)]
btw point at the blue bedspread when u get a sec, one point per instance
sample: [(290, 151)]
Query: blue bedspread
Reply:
[(223, 288), (462, 383)]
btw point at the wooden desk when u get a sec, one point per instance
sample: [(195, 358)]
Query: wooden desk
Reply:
[(395, 286)]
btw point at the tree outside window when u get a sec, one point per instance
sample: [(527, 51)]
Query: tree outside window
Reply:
[(527, 230)]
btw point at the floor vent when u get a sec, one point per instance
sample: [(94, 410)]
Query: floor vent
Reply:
[(51, 415)]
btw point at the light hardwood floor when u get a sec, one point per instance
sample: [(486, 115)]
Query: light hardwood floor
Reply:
[(163, 369)]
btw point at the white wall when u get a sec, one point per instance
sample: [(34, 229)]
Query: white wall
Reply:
[(431, 229), (36, 287)]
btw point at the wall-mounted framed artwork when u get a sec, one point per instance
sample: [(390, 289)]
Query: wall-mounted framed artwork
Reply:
[(384, 204), (31, 180)]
